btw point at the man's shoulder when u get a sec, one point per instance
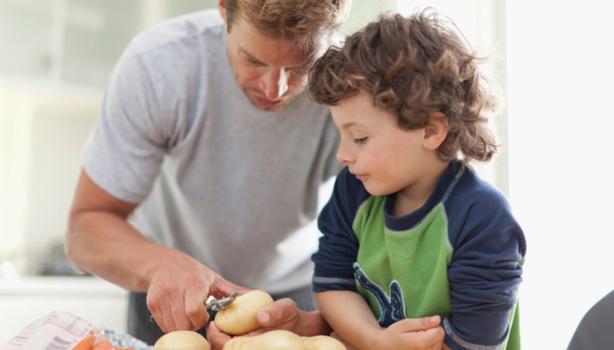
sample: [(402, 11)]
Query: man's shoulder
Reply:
[(186, 32)]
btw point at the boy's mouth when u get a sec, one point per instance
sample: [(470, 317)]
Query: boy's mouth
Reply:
[(361, 177)]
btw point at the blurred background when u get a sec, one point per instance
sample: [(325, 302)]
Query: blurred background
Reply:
[(550, 62)]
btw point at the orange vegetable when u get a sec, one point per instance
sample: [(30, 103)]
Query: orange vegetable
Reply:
[(86, 343)]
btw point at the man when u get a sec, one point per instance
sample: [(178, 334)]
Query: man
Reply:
[(206, 162), (208, 145)]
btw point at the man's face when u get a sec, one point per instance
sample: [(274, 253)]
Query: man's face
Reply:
[(269, 71)]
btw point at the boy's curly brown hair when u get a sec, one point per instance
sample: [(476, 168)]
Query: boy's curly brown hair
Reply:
[(413, 67)]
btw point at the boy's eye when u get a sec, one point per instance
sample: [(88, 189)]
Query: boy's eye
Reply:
[(360, 140)]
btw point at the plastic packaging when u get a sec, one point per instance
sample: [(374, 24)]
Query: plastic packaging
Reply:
[(61, 330)]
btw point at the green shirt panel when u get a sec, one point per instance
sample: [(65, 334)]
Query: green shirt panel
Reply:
[(417, 258)]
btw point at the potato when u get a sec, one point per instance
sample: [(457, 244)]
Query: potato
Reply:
[(182, 340), (240, 316), (283, 340), (273, 340), (322, 342)]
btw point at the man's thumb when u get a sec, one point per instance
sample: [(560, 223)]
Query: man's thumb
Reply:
[(280, 312)]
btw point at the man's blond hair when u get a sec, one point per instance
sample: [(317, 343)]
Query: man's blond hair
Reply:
[(292, 20)]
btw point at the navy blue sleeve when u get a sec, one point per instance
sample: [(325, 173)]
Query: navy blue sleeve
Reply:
[(338, 245), (485, 271)]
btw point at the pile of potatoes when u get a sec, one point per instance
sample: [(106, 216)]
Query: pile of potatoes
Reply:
[(283, 340), (240, 318)]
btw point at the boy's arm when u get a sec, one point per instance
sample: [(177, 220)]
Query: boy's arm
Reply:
[(484, 274), (353, 321)]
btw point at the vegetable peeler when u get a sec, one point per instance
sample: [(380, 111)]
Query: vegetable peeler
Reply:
[(216, 305)]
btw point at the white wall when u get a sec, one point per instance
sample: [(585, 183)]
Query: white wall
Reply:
[(43, 131), (482, 22), (560, 95)]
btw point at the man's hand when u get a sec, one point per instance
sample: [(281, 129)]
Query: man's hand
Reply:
[(179, 284), (282, 314), (216, 338)]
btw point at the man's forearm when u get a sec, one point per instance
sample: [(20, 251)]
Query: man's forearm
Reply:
[(106, 245)]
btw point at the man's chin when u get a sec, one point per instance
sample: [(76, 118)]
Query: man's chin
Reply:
[(268, 106), (264, 104)]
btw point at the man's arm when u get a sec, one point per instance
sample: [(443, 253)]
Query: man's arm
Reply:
[(102, 242)]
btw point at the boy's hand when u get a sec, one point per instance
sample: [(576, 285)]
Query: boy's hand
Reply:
[(422, 333)]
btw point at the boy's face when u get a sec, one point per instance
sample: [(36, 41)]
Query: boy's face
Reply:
[(270, 72), (386, 158)]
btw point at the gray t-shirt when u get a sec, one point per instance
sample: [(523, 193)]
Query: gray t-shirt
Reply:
[(216, 178)]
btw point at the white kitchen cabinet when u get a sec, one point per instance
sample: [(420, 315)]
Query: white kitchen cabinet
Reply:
[(76, 41), (27, 37), (27, 299), (57, 56)]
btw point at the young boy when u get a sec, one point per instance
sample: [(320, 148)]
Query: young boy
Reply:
[(411, 230)]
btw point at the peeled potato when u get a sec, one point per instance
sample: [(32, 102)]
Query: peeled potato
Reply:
[(273, 340), (322, 342), (182, 340), (240, 316)]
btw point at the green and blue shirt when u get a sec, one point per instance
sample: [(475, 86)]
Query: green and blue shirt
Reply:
[(460, 256)]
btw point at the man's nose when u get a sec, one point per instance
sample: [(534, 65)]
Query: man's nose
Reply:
[(276, 83)]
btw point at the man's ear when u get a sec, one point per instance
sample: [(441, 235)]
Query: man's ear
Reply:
[(436, 131), (222, 9)]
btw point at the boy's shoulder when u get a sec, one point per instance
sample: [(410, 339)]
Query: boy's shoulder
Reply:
[(475, 192), (477, 209)]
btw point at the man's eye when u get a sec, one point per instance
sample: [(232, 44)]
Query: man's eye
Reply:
[(254, 62), (360, 140)]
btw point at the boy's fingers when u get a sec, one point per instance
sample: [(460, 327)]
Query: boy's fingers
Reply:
[(417, 324), (431, 338)]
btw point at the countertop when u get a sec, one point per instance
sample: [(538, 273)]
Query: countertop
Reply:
[(25, 299)]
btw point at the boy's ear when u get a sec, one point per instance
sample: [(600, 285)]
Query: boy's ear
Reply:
[(436, 131), (222, 9)]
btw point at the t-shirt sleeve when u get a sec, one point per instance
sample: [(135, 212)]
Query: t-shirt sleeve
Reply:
[(484, 274), (125, 150), (338, 244)]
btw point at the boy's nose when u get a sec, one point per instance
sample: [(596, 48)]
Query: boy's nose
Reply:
[(343, 156)]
